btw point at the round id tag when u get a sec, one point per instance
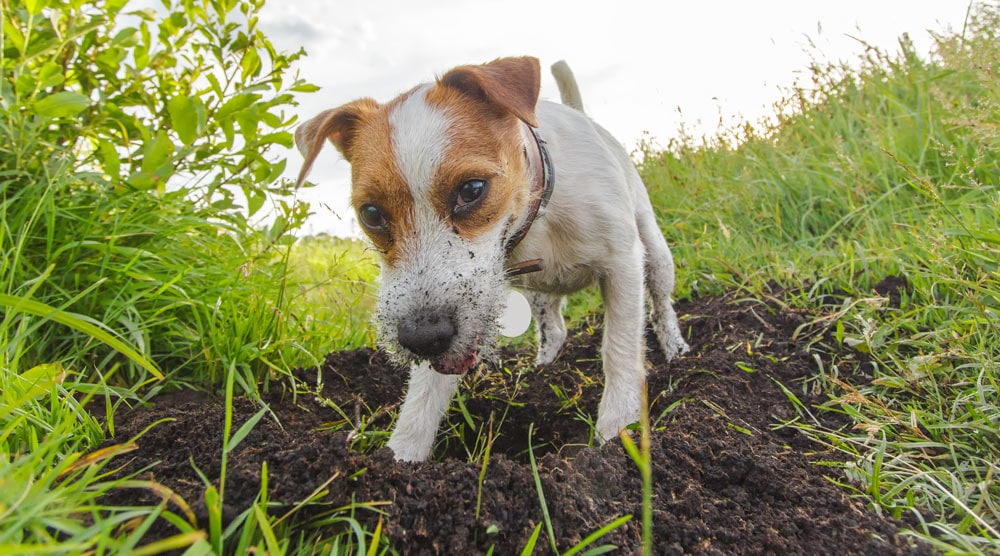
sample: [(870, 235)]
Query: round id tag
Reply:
[(516, 317)]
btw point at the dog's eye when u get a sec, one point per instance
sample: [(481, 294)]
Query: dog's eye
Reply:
[(373, 218), (468, 193)]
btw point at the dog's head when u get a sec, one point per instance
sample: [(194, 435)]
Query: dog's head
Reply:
[(440, 178)]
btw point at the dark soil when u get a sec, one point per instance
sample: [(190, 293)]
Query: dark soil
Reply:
[(728, 477)]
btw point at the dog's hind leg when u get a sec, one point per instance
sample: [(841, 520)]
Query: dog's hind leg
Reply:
[(659, 282), (427, 399), (550, 326)]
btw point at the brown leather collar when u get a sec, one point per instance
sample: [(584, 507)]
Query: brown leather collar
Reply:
[(541, 191)]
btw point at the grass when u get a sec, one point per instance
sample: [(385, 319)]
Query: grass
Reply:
[(889, 167), (334, 289)]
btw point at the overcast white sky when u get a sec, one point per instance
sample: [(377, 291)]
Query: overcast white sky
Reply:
[(642, 66)]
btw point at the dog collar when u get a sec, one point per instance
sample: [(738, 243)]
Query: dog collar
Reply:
[(541, 190)]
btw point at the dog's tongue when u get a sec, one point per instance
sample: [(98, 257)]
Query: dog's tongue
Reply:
[(457, 366)]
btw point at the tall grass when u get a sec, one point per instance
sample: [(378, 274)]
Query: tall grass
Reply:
[(892, 168), (334, 287), (127, 261)]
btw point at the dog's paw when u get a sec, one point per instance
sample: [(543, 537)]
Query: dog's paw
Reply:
[(609, 424), (675, 348), (551, 338), (403, 452), (547, 353), (406, 450)]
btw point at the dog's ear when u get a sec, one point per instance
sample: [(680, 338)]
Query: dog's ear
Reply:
[(338, 125), (510, 83)]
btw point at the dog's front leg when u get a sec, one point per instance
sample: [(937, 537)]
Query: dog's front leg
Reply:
[(622, 348), (427, 399)]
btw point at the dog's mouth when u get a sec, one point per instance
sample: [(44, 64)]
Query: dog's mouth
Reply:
[(457, 362), (458, 365)]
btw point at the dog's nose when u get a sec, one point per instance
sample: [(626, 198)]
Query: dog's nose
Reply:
[(426, 335)]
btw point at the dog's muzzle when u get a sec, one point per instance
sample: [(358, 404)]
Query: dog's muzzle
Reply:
[(430, 336)]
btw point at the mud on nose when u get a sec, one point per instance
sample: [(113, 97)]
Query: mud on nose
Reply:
[(426, 335)]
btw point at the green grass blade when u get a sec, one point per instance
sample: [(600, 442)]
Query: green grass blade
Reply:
[(591, 538), (541, 492), (529, 547), (75, 322)]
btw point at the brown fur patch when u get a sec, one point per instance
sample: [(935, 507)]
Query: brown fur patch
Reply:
[(485, 144), (376, 179)]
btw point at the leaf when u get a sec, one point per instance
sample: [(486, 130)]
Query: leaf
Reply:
[(61, 105), (110, 159), (283, 138), (255, 200), (213, 505), (35, 382), (245, 429), (249, 122), (126, 37), (112, 57), (236, 104), (99, 456), (194, 541), (50, 75), (156, 152), (148, 14), (266, 531), (250, 64), (376, 538), (141, 180), (35, 6), (13, 34), (529, 547), (305, 88), (597, 535), (188, 117), (25, 84)]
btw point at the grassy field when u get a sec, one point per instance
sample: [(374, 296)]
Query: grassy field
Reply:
[(114, 288), (890, 169)]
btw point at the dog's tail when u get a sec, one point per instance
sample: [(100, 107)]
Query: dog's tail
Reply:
[(568, 90)]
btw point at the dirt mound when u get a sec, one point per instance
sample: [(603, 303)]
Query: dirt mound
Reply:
[(728, 479)]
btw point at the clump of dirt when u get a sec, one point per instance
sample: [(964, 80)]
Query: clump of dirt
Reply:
[(728, 477)]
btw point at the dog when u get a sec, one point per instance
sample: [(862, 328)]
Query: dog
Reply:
[(470, 185)]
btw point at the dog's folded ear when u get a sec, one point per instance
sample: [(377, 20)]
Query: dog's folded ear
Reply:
[(510, 83), (338, 125)]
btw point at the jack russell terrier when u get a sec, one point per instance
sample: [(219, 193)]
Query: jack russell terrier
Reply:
[(468, 186)]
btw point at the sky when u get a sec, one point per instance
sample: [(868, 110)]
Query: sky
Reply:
[(644, 67)]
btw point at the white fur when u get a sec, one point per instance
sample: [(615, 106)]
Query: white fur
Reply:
[(419, 140), (589, 235), (427, 399)]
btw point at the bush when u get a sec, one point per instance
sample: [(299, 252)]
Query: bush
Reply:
[(136, 158)]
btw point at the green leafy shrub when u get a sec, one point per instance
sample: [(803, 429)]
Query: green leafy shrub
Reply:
[(135, 162)]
